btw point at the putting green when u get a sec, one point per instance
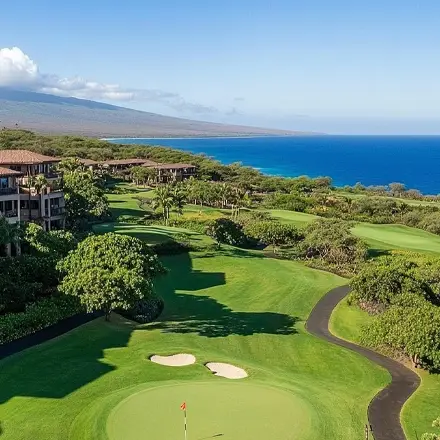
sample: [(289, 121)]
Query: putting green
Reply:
[(230, 411)]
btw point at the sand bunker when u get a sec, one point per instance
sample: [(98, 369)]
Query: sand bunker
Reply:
[(175, 360), (226, 370)]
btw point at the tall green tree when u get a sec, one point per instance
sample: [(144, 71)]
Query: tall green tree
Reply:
[(164, 199), (179, 197), (110, 271), (85, 199)]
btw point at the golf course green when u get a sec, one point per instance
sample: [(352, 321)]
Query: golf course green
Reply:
[(236, 411)]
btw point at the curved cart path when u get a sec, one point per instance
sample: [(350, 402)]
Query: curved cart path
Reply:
[(384, 410)]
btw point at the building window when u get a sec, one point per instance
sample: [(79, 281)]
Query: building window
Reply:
[(4, 182)]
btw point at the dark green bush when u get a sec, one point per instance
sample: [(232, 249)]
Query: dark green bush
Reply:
[(224, 230), (38, 316), (171, 247), (411, 326), (146, 310)]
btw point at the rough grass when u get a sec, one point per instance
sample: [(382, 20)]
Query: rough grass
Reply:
[(231, 306), (424, 406)]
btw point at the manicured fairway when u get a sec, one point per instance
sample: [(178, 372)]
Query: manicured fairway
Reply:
[(298, 219), (229, 306), (380, 237), (152, 234), (398, 237), (424, 406), (233, 411)]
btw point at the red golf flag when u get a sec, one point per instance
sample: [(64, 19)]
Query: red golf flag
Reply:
[(183, 406)]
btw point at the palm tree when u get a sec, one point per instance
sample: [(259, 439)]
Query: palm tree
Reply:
[(240, 199), (179, 198), (225, 194), (164, 199), (10, 234), (30, 184), (40, 184)]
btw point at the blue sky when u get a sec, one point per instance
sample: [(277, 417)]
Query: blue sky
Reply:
[(337, 67)]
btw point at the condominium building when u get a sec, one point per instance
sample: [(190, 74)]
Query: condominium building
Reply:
[(31, 189), (172, 172)]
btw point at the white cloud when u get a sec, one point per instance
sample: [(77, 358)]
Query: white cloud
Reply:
[(19, 71)]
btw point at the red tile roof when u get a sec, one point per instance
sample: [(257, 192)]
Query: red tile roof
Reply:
[(135, 161), (149, 163), (7, 172), (24, 157), (88, 162), (172, 166)]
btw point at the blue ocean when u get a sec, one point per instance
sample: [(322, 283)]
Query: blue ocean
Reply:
[(371, 160)]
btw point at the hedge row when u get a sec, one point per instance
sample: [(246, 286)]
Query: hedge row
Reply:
[(37, 316)]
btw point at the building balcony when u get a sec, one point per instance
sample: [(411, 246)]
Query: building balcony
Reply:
[(35, 214), (54, 183), (8, 191), (56, 211), (9, 214)]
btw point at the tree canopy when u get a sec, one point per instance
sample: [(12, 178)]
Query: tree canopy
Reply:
[(109, 271), (85, 199)]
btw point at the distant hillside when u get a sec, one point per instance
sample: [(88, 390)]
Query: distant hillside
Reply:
[(57, 115)]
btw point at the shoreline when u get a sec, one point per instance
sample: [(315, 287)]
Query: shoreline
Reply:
[(208, 137)]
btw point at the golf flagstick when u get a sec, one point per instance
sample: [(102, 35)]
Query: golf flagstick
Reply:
[(183, 408)]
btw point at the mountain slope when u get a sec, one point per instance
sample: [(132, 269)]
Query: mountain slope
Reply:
[(59, 115)]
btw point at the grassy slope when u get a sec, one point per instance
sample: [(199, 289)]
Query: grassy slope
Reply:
[(236, 307), (398, 237), (152, 234), (423, 407)]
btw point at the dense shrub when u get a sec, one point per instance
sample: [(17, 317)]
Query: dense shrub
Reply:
[(196, 225), (431, 223), (272, 233), (290, 202), (410, 326), (25, 279), (382, 280), (37, 316), (331, 241), (172, 247), (224, 230), (144, 311)]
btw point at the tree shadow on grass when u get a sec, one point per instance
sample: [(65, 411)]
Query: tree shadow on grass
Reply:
[(205, 316), (64, 365)]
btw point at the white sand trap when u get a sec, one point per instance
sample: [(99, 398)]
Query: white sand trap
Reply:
[(226, 370), (175, 360)]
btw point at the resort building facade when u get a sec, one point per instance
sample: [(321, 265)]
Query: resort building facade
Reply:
[(31, 189)]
